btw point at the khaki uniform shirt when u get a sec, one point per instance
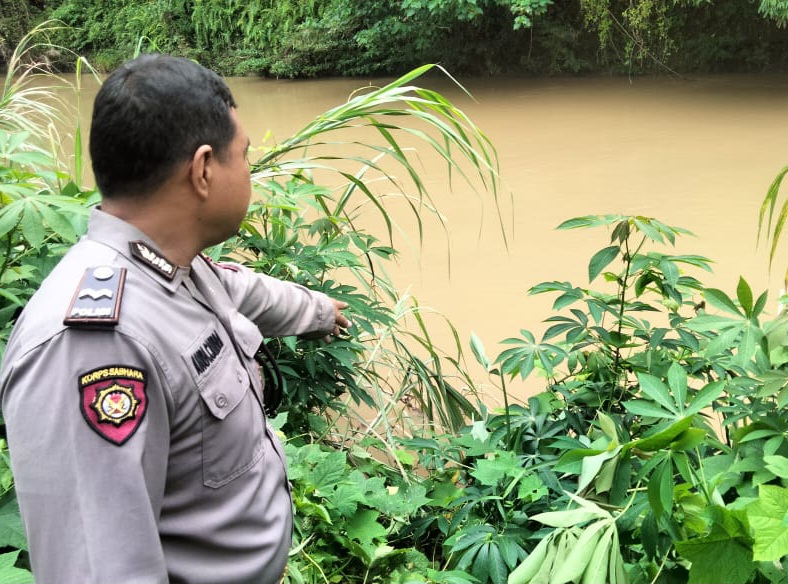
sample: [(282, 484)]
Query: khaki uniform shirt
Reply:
[(140, 449)]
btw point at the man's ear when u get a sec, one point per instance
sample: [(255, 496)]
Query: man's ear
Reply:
[(202, 170)]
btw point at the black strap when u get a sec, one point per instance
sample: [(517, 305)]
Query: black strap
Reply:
[(273, 390)]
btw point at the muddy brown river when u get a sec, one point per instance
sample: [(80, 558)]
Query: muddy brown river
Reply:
[(697, 153)]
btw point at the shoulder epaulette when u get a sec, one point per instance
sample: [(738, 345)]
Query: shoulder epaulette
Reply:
[(96, 301)]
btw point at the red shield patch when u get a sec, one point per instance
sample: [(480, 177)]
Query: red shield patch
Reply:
[(113, 401)]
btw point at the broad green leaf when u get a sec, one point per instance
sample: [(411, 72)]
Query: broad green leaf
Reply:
[(568, 518), (523, 573), (9, 217), (32, 227), (724, 341), (744, 294), (655, 389), (719, 299), (491, 471), (688, 439), (777, 464), (645, 226), (760, 304), (601, 260), (670, 271), (660, 488), (364, 527), (495, 568), (767, 517), (608, 426), (12, 533), (661, 439), (677, 380), (591, 466), (597, 569), (573, 566), (750, 336), (705, 397), (641, 407), (9, 573), (718, 558), (478, 351)]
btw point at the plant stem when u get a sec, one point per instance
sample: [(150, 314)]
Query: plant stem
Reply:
[(622, 300), (7, 253)]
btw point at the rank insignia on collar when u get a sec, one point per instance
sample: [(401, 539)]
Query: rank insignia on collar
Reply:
[(152, 258), (113, 400), (96, 301)]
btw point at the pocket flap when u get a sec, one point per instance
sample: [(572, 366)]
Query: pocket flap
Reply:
[(224, 388)]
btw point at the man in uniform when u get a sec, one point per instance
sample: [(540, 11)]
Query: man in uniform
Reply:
[(133, 403)]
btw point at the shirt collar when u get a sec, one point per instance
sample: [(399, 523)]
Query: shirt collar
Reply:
[(136, 247)]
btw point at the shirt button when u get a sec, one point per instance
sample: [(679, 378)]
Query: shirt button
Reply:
[(239, 376), (220, 400)]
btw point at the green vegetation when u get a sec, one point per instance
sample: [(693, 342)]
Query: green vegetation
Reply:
[(656, 451), (308, 38)]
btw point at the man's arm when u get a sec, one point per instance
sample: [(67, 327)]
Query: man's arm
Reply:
[(281, 308), (88, 431)]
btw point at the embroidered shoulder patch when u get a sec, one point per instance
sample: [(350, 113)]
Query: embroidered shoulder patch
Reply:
[(152, 258), (96, 301), (113, 400)]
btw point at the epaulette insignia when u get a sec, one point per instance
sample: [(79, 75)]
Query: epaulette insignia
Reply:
[(152, 258), (97, 299)]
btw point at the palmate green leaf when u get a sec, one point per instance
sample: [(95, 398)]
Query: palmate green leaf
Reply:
[(590, 221), (601, 260), (721, 300), (491, 567), (655, 389), (12, 533), (718, 558), (364, 527), (490, 471), (32, 225), (465, 539), (705, 396), (688, 440), (751, 336), (677, 380), (744, 294), (660, 488), (9, 573), (767, 517), (661, 439), (777, 464), (649, 229), (641, 407), (9, 216), (591, 466)]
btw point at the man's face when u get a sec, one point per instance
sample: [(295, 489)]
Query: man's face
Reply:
[(233, 185)]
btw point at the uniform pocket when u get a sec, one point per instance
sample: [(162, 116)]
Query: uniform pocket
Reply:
[(232, 424)]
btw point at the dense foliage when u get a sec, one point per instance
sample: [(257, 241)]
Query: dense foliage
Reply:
[(305, 38), (655, 451)]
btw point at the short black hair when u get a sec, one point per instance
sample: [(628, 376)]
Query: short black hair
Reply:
[(150, 115)]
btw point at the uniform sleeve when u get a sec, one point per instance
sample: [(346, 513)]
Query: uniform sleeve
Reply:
[(88, 432), (277, 307)]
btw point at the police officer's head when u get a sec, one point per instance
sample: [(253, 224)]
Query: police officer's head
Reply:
[(150, 116)]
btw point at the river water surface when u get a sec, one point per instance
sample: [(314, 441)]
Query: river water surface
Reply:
[(698, 154)]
